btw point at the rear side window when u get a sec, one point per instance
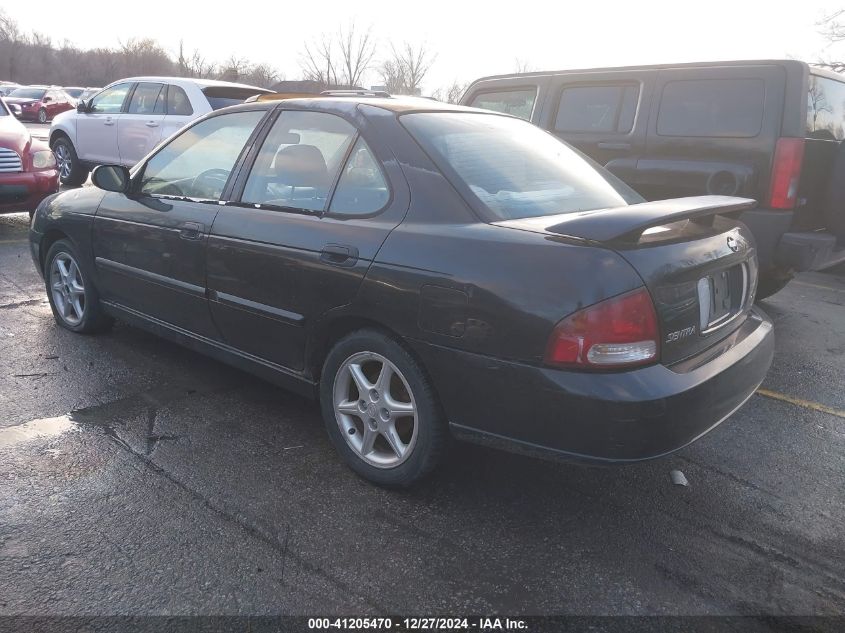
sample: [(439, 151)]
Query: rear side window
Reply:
[(826, 109), (516, 102), (224, 96), (361, 189), (730, 108), (597, 109), (178, 102)]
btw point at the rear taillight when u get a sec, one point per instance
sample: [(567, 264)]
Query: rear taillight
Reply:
[(786, 173), (618, 332)]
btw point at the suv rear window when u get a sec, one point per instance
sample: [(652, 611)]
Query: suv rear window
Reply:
[(224, 96), (516, 102), (731, 108), (597, 109), (826, 109)]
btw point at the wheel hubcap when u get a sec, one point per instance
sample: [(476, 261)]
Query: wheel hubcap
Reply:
[(67, 288), (63, 158), (375, 410)]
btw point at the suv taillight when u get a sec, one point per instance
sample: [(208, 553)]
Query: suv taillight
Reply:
[(617, 332), (786, 172)]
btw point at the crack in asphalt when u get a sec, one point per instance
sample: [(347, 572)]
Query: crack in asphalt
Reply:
[(20, 304), (250, 528)]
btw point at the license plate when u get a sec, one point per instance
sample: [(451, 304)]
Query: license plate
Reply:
[(720, 299)]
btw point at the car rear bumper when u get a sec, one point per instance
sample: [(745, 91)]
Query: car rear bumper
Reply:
[(600, 417), (24, 190)]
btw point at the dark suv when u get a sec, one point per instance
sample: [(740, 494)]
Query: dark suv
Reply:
[(768, 130)]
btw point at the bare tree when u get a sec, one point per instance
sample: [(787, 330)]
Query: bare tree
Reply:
[(414, 62), (451, 93), (522, 66), (392, 76), (319, 62), (356, 53), (832, 26)]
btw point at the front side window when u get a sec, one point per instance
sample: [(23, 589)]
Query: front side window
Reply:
[(518, 103), (110, 100), (826, 109), (513, 169), (299, 161), (197, 163), (729, 108), (147, 99), (597, 109), (362, 188)]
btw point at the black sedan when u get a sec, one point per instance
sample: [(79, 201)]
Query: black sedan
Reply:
[(424, 270)]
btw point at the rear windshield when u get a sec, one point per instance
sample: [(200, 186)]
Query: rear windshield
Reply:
[(74, 92), (729, 108), (516, 102), (826, 109), (27, 93), (224, 96), (511, 169)]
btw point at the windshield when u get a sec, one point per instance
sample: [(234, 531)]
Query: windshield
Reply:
[(3, 110), (28, 93), (512, 169)]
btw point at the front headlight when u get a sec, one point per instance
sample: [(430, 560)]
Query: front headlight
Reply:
[(43, 160)]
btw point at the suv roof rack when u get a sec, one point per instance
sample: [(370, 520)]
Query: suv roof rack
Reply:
[(355, 93)]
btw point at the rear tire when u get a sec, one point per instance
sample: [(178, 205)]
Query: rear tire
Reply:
[(771, 282), (380, 410), (71, 171), (73, 297)]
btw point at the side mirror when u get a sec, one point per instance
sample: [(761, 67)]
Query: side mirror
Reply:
[(82, 106), (47, 99), (111, 178)]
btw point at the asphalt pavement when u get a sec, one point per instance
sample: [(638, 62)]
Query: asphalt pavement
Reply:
[(137, 477)]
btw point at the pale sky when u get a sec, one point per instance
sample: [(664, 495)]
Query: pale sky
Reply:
[(471, 38)]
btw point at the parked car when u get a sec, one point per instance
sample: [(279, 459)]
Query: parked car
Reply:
[(6, 87), (422, 268), (768, 130), (40, 103), (27, 166), (127, 119)]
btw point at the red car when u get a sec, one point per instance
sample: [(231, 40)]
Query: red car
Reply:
[(40, 103), (28, 172)]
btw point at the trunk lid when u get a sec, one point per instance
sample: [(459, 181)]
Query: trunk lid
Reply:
[(699, 266)]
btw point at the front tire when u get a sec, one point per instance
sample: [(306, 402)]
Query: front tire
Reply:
[(380, 410), (71, 171), (42, 115), (72, 294)]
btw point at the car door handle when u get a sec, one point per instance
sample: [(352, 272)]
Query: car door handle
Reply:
[(339, 255), (612, 145), (151, 123), (108, 121), (191, 231)]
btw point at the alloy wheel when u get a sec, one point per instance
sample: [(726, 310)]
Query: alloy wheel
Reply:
[(375, 409), (63, 159), (68, 289)]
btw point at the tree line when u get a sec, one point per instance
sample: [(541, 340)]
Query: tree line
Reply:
[(339, 59)]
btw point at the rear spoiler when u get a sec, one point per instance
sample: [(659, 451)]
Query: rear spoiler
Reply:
[(620, 223)]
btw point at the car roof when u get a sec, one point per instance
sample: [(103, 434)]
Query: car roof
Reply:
[(348, 104), (202, 83), (746, 62)]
